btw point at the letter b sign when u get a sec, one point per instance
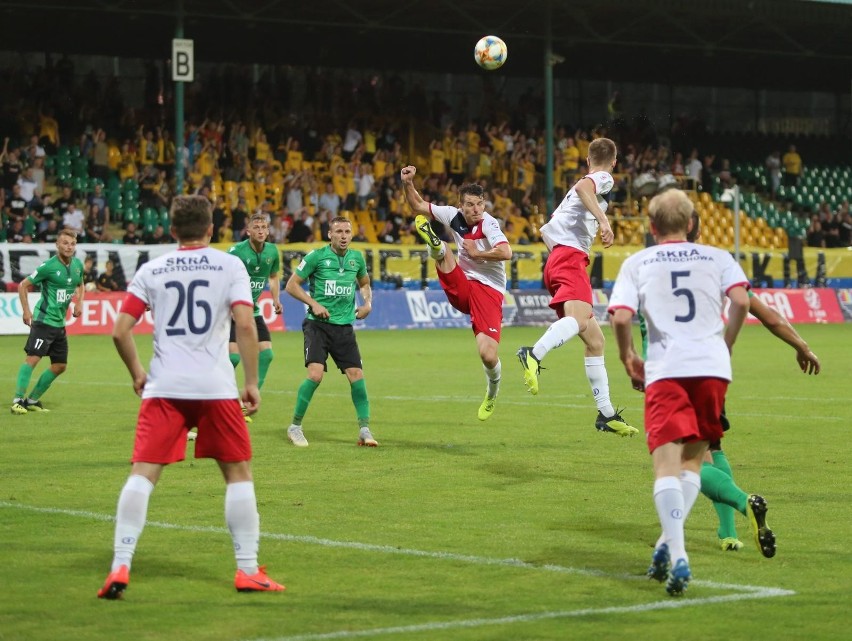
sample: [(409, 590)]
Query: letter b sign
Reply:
[(182, 60)]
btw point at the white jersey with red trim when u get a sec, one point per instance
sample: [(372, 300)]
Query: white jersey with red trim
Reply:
[(680, 289), (485, 234), (190, 293), (571, 224)]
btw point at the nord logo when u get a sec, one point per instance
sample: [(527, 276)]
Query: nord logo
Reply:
[(333, 289), (425, 311)]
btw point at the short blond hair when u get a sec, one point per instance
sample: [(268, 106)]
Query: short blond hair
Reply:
[(602, 151), (670, 212)]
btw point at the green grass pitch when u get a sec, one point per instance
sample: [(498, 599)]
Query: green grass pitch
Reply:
[(529, 526)]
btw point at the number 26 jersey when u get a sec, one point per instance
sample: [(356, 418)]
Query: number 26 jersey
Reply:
[(191, 293)]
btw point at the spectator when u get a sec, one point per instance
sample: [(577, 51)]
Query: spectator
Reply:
[(815, 236), (239, 217), (49, 233), (158, 237), (130, 235), (361, 236), (329, 200), (792, 162), (773, 169), (90, 274), (301, 231), (693, 169), (389, 234), (100, 156), (366, 184), (219, 218), (109, 281), (74, 219), (17, 204), (15, 231), (11, 165), (62, 203), (96, 225)]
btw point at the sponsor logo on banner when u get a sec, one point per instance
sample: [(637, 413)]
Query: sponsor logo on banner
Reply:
[(816, 305), (433, 309), (844, 297)]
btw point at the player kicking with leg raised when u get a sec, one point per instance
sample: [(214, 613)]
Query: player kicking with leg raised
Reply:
[(475, 284), (192, 293), (679, 286), (569, 235)]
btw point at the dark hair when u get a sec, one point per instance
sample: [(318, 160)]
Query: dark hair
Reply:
[(191, 217), (471, 189), (339, 219)]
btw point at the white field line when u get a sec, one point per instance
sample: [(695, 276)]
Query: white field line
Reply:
[(743, 592), (669, 604)]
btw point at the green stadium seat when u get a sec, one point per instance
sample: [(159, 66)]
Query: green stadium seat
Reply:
[(131, 215)]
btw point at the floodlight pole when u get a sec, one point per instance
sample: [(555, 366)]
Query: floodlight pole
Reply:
[(549, 61), (179, 115), (737, 223)]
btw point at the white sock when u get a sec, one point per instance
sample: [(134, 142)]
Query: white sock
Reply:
[(558, 333), (668, 499), (438, 253), (130, 518), (690, 483), (493, 376), (244, 523), (599, 381)]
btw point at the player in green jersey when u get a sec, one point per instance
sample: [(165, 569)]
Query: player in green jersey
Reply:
[(60, 277), (262, 263), (334, 273)]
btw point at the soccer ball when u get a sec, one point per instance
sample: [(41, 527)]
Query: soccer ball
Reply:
[(490, 53)]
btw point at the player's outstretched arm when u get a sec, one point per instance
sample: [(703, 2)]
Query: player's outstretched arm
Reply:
[(780, 327), (415, 201)]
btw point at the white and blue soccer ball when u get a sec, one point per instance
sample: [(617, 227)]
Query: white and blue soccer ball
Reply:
[(490, 53)]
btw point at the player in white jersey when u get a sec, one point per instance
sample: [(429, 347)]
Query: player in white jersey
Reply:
[(680, 288), (192, 294), (475, 284), (568, 235)]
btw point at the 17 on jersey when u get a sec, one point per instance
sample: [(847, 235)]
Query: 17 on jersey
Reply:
[(259, 266), (58, 282), (333, 281)]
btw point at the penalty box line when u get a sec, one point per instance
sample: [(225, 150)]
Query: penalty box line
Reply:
[(390, 549), (743, 592)]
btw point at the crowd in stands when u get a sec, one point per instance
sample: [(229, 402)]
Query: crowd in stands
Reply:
[(74, 156)]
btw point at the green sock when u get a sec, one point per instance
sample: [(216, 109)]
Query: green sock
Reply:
[(43, 383), (235, 359), (720, 462), (25, 372), (726, 496), (264, 360), (361, 402), (303, 399)]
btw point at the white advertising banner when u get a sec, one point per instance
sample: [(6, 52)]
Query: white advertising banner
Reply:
[(18, 260)]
